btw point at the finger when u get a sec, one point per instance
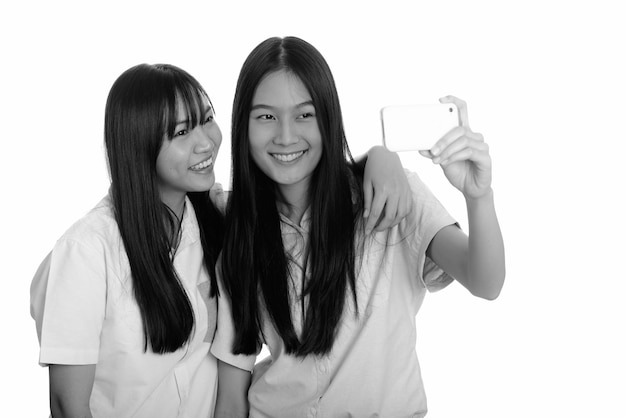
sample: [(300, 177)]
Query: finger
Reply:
[(452, 148), (410, 205), (453, 136), (478, 154), (389, 216), (469, 140), (462, 155), (425, 153), (461, 106), (446, 140), (476, 136), (368, 192), (376, 209), (405, 206), (402, 208)]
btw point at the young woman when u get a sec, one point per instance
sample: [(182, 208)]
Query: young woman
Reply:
[(124, 303), (335, 306)]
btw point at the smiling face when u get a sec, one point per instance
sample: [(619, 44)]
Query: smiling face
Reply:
[(285, 140), (185, 161)]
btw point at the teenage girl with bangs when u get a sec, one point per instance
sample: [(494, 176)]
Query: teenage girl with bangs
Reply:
[(125, 303), (335, 306)]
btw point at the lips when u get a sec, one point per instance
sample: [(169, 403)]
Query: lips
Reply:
[(287, 158), (202, 165)]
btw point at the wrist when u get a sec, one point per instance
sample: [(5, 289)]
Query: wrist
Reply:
[(481, 200)]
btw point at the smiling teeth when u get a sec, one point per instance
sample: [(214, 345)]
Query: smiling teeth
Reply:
[(288, 157), (203, 164)]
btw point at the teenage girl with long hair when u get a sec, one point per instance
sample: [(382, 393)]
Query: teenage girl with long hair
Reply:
[(125, 303), (335, 306)]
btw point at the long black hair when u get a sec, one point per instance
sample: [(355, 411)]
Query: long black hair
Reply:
[(255, 266), (140, 114)]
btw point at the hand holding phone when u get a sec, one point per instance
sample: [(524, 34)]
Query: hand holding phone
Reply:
[(417, 127)]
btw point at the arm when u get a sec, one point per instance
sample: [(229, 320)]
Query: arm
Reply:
[(385, 188), (477, 260), (232, 391), (70, 390)]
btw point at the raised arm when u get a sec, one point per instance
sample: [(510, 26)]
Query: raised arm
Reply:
[(70, 390), (475, 260)]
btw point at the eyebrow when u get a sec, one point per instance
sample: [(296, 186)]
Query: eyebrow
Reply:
[(265, 106)]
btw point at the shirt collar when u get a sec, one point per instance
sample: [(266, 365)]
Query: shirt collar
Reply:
[(190, 227), (287, 225)]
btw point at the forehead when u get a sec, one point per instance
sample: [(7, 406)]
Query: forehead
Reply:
[(197, 105), (281, 89)]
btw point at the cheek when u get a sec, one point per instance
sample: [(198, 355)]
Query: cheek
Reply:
[(163, 169), (256, 144), (218, 140), (170, 160), (256, 154), (215, 134), (315, 140), (254, 136), (162, 163)]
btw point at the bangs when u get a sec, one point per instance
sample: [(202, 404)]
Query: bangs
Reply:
[(191, 96)]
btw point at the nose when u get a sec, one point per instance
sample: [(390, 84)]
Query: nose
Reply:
[(286, 134), (203, 140)]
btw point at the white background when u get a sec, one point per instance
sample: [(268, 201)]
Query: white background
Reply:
[(544, 81)]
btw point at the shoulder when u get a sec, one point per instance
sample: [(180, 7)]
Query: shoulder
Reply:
[(415, 183), (82, 255), (97, 227), (424, 200), (428, 214)]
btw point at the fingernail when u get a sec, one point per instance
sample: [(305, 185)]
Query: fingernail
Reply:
[(434, 150), (436, 160)]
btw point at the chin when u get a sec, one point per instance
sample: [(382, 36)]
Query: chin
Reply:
[(204, 186)]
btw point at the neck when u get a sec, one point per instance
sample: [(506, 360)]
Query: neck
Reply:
[(294, 201), (176, 204), (174, 224)]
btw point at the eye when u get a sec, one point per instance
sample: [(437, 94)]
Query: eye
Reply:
[(266, 117), (209, 117), (182, 132), (307, 115)]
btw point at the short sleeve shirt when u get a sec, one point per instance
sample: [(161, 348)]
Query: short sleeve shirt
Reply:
[(85, 312), (372, 369)]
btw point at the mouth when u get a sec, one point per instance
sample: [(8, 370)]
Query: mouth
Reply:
[(287, 158), (202, 165)]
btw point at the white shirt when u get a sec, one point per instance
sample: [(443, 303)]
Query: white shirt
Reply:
[(372, 369), (85, 312)]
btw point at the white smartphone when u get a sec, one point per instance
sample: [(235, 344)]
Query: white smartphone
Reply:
[(417, 127)]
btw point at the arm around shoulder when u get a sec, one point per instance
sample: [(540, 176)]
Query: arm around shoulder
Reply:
[(232, 391)]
